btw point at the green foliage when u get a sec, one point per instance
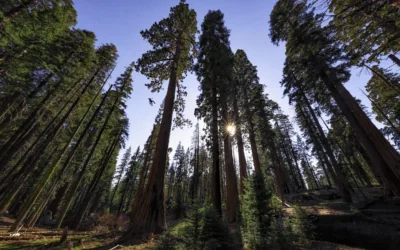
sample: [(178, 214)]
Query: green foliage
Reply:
[(256, 214)]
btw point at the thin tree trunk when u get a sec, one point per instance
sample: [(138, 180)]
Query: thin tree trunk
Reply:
[(342, 183), (142, 180), (239, 139), (78, 216), (78, 180), (127, 186), (196, 167), (39, 188), (216, 176), (392, 85), (55, 204), (8, 156), (296, 161), (319, 148)]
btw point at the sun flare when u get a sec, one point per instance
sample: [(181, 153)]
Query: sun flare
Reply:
[(231, 129)]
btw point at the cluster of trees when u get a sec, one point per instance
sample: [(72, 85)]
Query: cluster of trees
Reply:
[(57, 120), (62, 124)]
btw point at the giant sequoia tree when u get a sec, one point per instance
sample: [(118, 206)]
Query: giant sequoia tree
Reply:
[(172, 39)]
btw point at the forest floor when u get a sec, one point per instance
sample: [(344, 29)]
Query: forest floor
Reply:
[(370, 222)]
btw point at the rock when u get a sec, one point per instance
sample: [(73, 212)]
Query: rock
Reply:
[(301, 198), (329, 196), (89, 223), (47, 219)]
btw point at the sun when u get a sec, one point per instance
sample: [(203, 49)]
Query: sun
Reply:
[(231, 129)]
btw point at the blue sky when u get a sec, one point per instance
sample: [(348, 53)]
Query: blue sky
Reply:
[(120, 22)]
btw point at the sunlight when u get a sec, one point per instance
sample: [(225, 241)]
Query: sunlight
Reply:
[(231, 129)]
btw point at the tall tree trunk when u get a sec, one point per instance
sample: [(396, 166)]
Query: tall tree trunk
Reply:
[(196, 166), (216, 176), (382, 154), (82, 208), (81, 173), (239, 139), (296, 161), (396, 129), (252, 138), (367, 160), (143, 172), (342, 183), (232, 195), (20, 179), (288, 158), (127, 186), (56, 202)]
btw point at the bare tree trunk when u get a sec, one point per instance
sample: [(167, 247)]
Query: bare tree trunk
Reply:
[(76, 183), (215, 182), (78, 216), (142, 180), (232, 197), (239, 139), (39, 188), (342, 184)]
